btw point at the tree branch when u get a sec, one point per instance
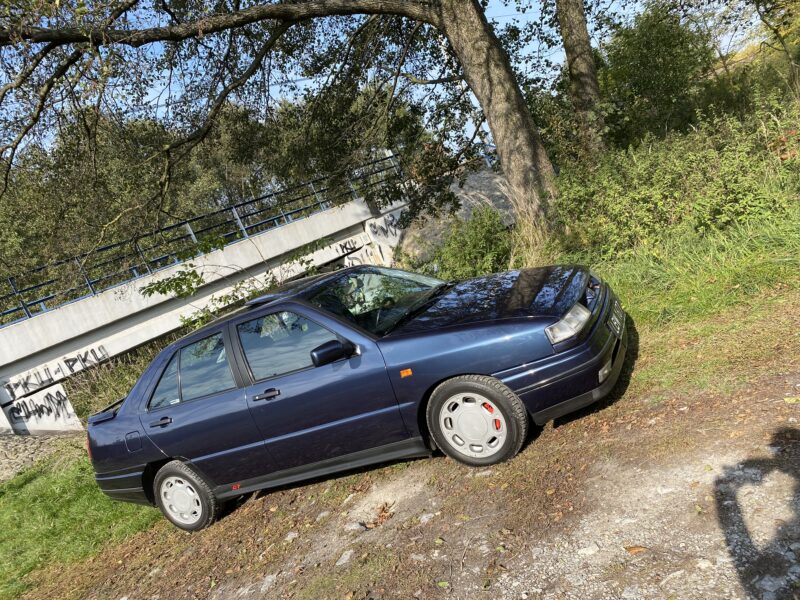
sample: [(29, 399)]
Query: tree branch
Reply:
[(27, 71), (196, 136), (417, 10), (418, 81), (401, 61), (44, 92)]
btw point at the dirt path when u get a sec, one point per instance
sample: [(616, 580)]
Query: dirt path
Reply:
[(688, 497)]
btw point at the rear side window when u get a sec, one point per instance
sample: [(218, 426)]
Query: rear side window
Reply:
[(203, 368), (167, 389), (280, 343)]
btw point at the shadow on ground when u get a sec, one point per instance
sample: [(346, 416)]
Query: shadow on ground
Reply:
[(772, 570)]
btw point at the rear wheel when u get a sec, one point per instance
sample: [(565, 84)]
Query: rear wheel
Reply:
[(184, 498), (477, 420)]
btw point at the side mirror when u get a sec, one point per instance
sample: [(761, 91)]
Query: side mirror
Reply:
[(331, 352)]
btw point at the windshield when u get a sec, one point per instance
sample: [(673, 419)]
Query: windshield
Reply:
[(376, 299)]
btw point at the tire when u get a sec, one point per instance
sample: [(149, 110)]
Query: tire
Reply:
[(474, 411), (184, 498)]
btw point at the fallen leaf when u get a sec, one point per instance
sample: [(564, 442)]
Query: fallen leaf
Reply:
[(443, 584), (792, 400)]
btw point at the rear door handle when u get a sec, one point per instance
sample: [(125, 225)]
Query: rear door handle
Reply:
[(162, 422), (269, 394)]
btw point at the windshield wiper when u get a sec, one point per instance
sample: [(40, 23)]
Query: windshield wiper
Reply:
[(420, 306)]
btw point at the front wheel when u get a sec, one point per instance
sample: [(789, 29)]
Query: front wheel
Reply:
[(184, 498), (477, 420)]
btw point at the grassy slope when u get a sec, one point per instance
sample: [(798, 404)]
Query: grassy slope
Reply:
[(719, 311), (709, 312), (54, 513)]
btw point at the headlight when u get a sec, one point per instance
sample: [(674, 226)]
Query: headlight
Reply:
[(570, 325)]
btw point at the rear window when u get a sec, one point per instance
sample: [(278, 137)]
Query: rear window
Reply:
[(204, 368), (167, 389)]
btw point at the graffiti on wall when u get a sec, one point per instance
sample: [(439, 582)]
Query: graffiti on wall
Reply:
[(386, 229), (46, 410), (46, 375), (347, 247)]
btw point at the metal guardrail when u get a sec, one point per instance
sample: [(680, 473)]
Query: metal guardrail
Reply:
[(50, 286)]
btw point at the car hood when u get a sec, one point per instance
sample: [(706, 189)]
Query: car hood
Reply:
[(541, 292)]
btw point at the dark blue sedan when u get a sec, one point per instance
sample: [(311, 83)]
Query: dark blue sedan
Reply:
[(355, 367)]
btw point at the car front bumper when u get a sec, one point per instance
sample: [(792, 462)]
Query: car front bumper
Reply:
[(572, 379)]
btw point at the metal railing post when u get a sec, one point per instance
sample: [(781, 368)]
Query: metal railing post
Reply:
[(142, 256), (19, 297), (316, 194), (190, 231), (85, 277), (352, 189), (393, 161), (239, 221)]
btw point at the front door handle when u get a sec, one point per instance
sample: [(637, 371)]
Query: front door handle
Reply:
[(162, 422), (269, 394)]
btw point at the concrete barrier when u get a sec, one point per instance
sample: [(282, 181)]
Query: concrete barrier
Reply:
[(46, 411)]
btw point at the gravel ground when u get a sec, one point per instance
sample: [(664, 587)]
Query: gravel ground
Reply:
[(686, 498)]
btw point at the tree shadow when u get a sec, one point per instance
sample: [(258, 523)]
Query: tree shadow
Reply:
[(771, 571), (619, 389)]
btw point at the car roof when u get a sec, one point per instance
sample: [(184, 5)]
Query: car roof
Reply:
[(297, 288)]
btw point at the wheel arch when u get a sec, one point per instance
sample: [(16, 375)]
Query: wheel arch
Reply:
[(152, 468)]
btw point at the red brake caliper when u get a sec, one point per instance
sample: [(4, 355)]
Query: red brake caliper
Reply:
[(490, 410)]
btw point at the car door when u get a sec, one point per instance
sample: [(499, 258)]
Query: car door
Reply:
[(309, 414), (196, 411)]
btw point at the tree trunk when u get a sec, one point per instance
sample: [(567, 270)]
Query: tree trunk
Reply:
[(488, 73), (584, 88)]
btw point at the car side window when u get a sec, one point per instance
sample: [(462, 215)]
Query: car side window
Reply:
[(204, 368), (166, 391), (280, 343)]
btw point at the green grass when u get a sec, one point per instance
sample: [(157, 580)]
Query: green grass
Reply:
[(711, 311), (688, 277), (55, 513)]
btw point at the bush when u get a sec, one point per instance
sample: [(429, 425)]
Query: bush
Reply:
[(473, 247), (651, 73), (723, 172)]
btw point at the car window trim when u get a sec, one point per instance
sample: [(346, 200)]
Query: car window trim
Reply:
[(272, 310)]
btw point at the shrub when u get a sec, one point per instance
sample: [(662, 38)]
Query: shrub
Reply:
[(473, 247), (723, 172)]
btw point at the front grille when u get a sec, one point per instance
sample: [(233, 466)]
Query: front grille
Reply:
[(616, 318)]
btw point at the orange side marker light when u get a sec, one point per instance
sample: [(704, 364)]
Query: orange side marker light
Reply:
[(406, 373)]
